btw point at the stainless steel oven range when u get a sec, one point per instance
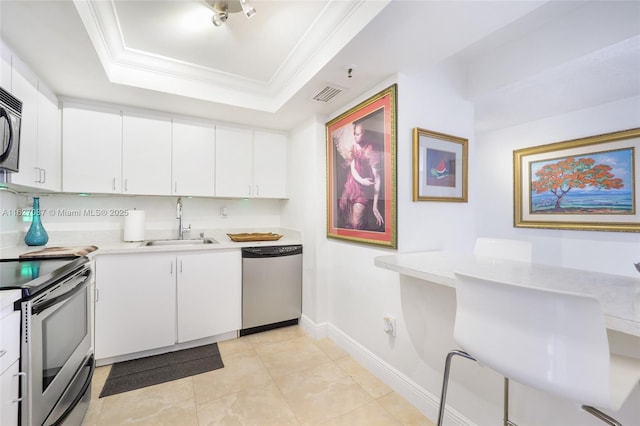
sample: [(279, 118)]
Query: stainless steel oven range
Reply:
[(56, 354)]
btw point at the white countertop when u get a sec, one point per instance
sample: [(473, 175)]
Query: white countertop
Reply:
[(114, 246), (619, 296)]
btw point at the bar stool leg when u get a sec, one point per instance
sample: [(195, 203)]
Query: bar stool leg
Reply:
[(445, 380), (505, 403), (602, 416)]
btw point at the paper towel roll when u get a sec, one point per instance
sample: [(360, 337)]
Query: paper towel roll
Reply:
[(134, 226)]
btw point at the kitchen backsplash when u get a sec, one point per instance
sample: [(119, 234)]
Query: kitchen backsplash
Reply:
[(104, 215)]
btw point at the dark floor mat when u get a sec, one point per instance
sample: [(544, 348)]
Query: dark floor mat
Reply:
[(139, 373)]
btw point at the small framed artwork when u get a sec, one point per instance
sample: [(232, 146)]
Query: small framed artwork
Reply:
[(584, 184), (361, 172), (439, 166)]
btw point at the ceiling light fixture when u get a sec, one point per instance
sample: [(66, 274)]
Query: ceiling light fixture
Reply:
[(222, 9)]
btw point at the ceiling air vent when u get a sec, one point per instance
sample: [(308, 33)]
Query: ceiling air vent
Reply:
[(327, 93)]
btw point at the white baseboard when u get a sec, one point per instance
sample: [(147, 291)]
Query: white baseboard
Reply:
[(315, 330), (426, 402)]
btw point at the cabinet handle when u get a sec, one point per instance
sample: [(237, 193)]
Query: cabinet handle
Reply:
[(175, 187), (126, 185), (23, 385), (44, 175), (37, 180), (113, 184), (96, 297), (2, 352), (249, 189)]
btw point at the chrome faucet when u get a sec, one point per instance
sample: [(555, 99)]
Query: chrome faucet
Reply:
[(181, 230)]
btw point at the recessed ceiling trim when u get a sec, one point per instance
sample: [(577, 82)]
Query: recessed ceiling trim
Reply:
[(338, 23)]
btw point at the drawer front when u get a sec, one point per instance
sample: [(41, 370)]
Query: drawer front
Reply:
[(9, 340)]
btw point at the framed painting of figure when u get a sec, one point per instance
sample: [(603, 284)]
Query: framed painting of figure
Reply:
[(361, 172)]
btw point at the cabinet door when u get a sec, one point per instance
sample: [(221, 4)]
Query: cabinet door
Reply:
[(234, 162), (91, 150), (49, 143), (193, 159), (209, 294), (270, 165), (135, 307), (25, 88), (9, 388), (146, 156)]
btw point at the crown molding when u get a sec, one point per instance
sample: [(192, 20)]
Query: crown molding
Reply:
[(332, 29)]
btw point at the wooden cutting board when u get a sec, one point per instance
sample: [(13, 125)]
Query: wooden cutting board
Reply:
[(255, 236), (58, 252)]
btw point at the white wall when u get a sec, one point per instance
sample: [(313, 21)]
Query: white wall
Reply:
[(432, 101), (612, 252), (360, 294), (305, 212), (10, 229), (64, 216)]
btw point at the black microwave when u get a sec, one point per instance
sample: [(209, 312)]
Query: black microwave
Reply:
[(10, 120)]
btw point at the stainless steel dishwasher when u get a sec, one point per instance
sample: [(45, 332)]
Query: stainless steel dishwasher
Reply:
[(271, 287)]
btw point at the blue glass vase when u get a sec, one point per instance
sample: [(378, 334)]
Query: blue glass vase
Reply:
[(36, 236)]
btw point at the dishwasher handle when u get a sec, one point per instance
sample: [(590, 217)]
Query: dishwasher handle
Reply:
[(271, 251)]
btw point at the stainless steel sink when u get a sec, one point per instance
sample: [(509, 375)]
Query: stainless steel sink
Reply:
[(186, 242)]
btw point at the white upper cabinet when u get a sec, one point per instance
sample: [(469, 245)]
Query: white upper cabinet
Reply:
[(234, 162), (106, 151), (49, 143), (193, 159), (25, 88), (91, 150), (40, 149), (250, 164), (270, 164), (146, 155)]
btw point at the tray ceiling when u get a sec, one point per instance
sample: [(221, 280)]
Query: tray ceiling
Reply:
[(257, 63)]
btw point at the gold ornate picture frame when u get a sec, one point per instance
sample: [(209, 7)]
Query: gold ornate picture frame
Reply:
[(439, 166), (361, 172), (586, 184)]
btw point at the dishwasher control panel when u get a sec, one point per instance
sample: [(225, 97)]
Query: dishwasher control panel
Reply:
[(271, 251)]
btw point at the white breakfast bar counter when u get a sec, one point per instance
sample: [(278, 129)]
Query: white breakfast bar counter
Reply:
[(619, 295)]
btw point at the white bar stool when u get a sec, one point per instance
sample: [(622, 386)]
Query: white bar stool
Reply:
[(550, 340), (502, 248)]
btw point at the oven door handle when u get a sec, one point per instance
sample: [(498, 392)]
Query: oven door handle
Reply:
[(92, 365), (37, 309)]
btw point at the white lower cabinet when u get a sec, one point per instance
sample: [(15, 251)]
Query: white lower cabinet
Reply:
[(135, 306), (209, 294), (147, 301), (9, 393), (9, 358)]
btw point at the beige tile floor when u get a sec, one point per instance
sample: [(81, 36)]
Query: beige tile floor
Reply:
[(279, 377)]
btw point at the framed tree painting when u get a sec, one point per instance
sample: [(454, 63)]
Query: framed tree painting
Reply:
[(580, 184), (439, 166), (361, 172)]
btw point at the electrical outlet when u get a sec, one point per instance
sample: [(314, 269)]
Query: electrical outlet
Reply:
[(390, 325)]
